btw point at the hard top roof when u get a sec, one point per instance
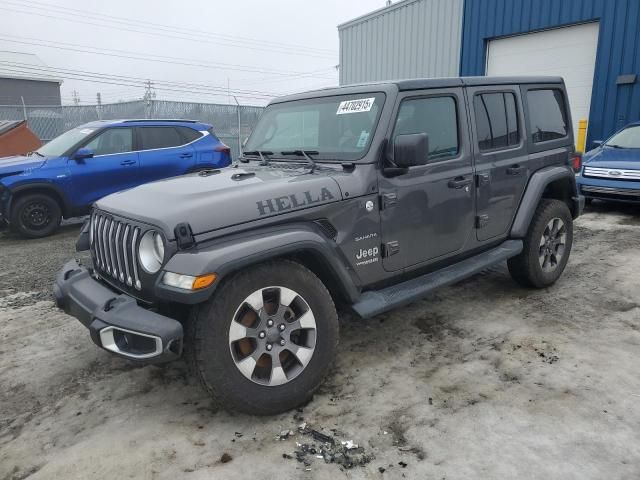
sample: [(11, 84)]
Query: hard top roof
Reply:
[(423, 83)]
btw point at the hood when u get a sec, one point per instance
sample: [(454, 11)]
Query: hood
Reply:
[(18, 164), (230, 197), (606, 157)]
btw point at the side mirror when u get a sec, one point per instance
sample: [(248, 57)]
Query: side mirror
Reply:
[(410, 150), (82, 153), (596, 143)]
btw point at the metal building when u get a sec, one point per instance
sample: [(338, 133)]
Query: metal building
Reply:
[(28, 92), (593, 44), (23, 79), (408, 39)]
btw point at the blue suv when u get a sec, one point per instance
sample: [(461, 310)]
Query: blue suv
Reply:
[(64, 177)]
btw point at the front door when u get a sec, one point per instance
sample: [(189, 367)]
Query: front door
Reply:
[(501, 157), (112, 168), (427, 213)]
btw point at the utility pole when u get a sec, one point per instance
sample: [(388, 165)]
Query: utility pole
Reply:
[(99, 105), (149, 92), (239, 126), (76, 97), (149, 95)]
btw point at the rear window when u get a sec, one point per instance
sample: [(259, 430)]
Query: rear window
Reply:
[(547, 115), (189, 134), (496, 120), (159, 137)]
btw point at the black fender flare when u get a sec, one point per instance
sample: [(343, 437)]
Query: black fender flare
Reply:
[(535, 188), (39, 185), (226, 256)]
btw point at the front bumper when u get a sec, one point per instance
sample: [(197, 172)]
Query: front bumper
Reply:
[(115, 321), (611, 190), (4, 205)]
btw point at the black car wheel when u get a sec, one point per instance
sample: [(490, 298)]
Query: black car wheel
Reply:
[(547, 246), (263, 344), (35, 215)]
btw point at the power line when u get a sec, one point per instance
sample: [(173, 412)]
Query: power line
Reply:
[(122, 83), (141, 56), (43, 70), (288, 50), (139, 22)]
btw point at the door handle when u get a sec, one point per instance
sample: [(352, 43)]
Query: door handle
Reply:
[(128, 162), (186, 155), (515, 170), (459, 182)]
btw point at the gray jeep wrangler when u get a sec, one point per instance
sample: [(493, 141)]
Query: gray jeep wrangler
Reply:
[(363, 197)]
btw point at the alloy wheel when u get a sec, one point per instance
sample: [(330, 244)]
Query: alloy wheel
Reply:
[(552, 244), (272, 336)]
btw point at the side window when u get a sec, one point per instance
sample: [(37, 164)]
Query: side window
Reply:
[(435, 116), (159, 137), (496, 120), (189, 134), (112, 140), (547, 115)]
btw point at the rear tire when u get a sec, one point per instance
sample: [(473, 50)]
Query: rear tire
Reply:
[(240, 343), (35, 215), (547, 246)]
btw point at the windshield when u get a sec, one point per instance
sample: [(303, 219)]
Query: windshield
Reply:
[(334, 128), (627, 138), (59, 145)]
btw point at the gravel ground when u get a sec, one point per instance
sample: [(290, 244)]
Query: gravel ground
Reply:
[(481, 380)]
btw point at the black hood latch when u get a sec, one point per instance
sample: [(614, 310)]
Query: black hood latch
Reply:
[(184, 236)]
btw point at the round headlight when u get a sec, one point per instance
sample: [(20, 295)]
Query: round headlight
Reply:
[(151, 251)]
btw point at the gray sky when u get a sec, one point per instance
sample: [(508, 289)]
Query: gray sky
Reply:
[(256, 47)]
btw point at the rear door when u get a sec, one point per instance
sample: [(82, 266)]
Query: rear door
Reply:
[(427, 213), (164, 152), (113, 167), (502, 169)]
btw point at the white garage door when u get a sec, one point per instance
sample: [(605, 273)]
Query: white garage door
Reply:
[(569, 52)]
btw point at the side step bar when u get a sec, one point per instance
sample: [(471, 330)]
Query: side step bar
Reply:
[(378, 301)]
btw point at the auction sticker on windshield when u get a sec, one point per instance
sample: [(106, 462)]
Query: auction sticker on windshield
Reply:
[(354, 106)]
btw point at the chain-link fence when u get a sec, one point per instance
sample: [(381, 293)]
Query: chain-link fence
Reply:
[(231, 123)]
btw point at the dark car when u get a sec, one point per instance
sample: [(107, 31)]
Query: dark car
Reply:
[(64, 177), (612, 170), (363, 197)]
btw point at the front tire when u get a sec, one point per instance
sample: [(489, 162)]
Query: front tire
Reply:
[(264, 342), (547, 246), (35, 215)]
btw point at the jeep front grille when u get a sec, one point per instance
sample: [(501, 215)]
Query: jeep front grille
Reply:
[(114, 248)]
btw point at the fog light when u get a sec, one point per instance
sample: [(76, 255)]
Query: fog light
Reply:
[(188, 282)]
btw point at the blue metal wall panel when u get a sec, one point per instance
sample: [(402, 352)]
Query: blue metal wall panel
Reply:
[(612, 106)]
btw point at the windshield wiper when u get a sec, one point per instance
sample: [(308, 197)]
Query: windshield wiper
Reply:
[(263, 154), (613, 145), (306, 154), (36, 152)]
